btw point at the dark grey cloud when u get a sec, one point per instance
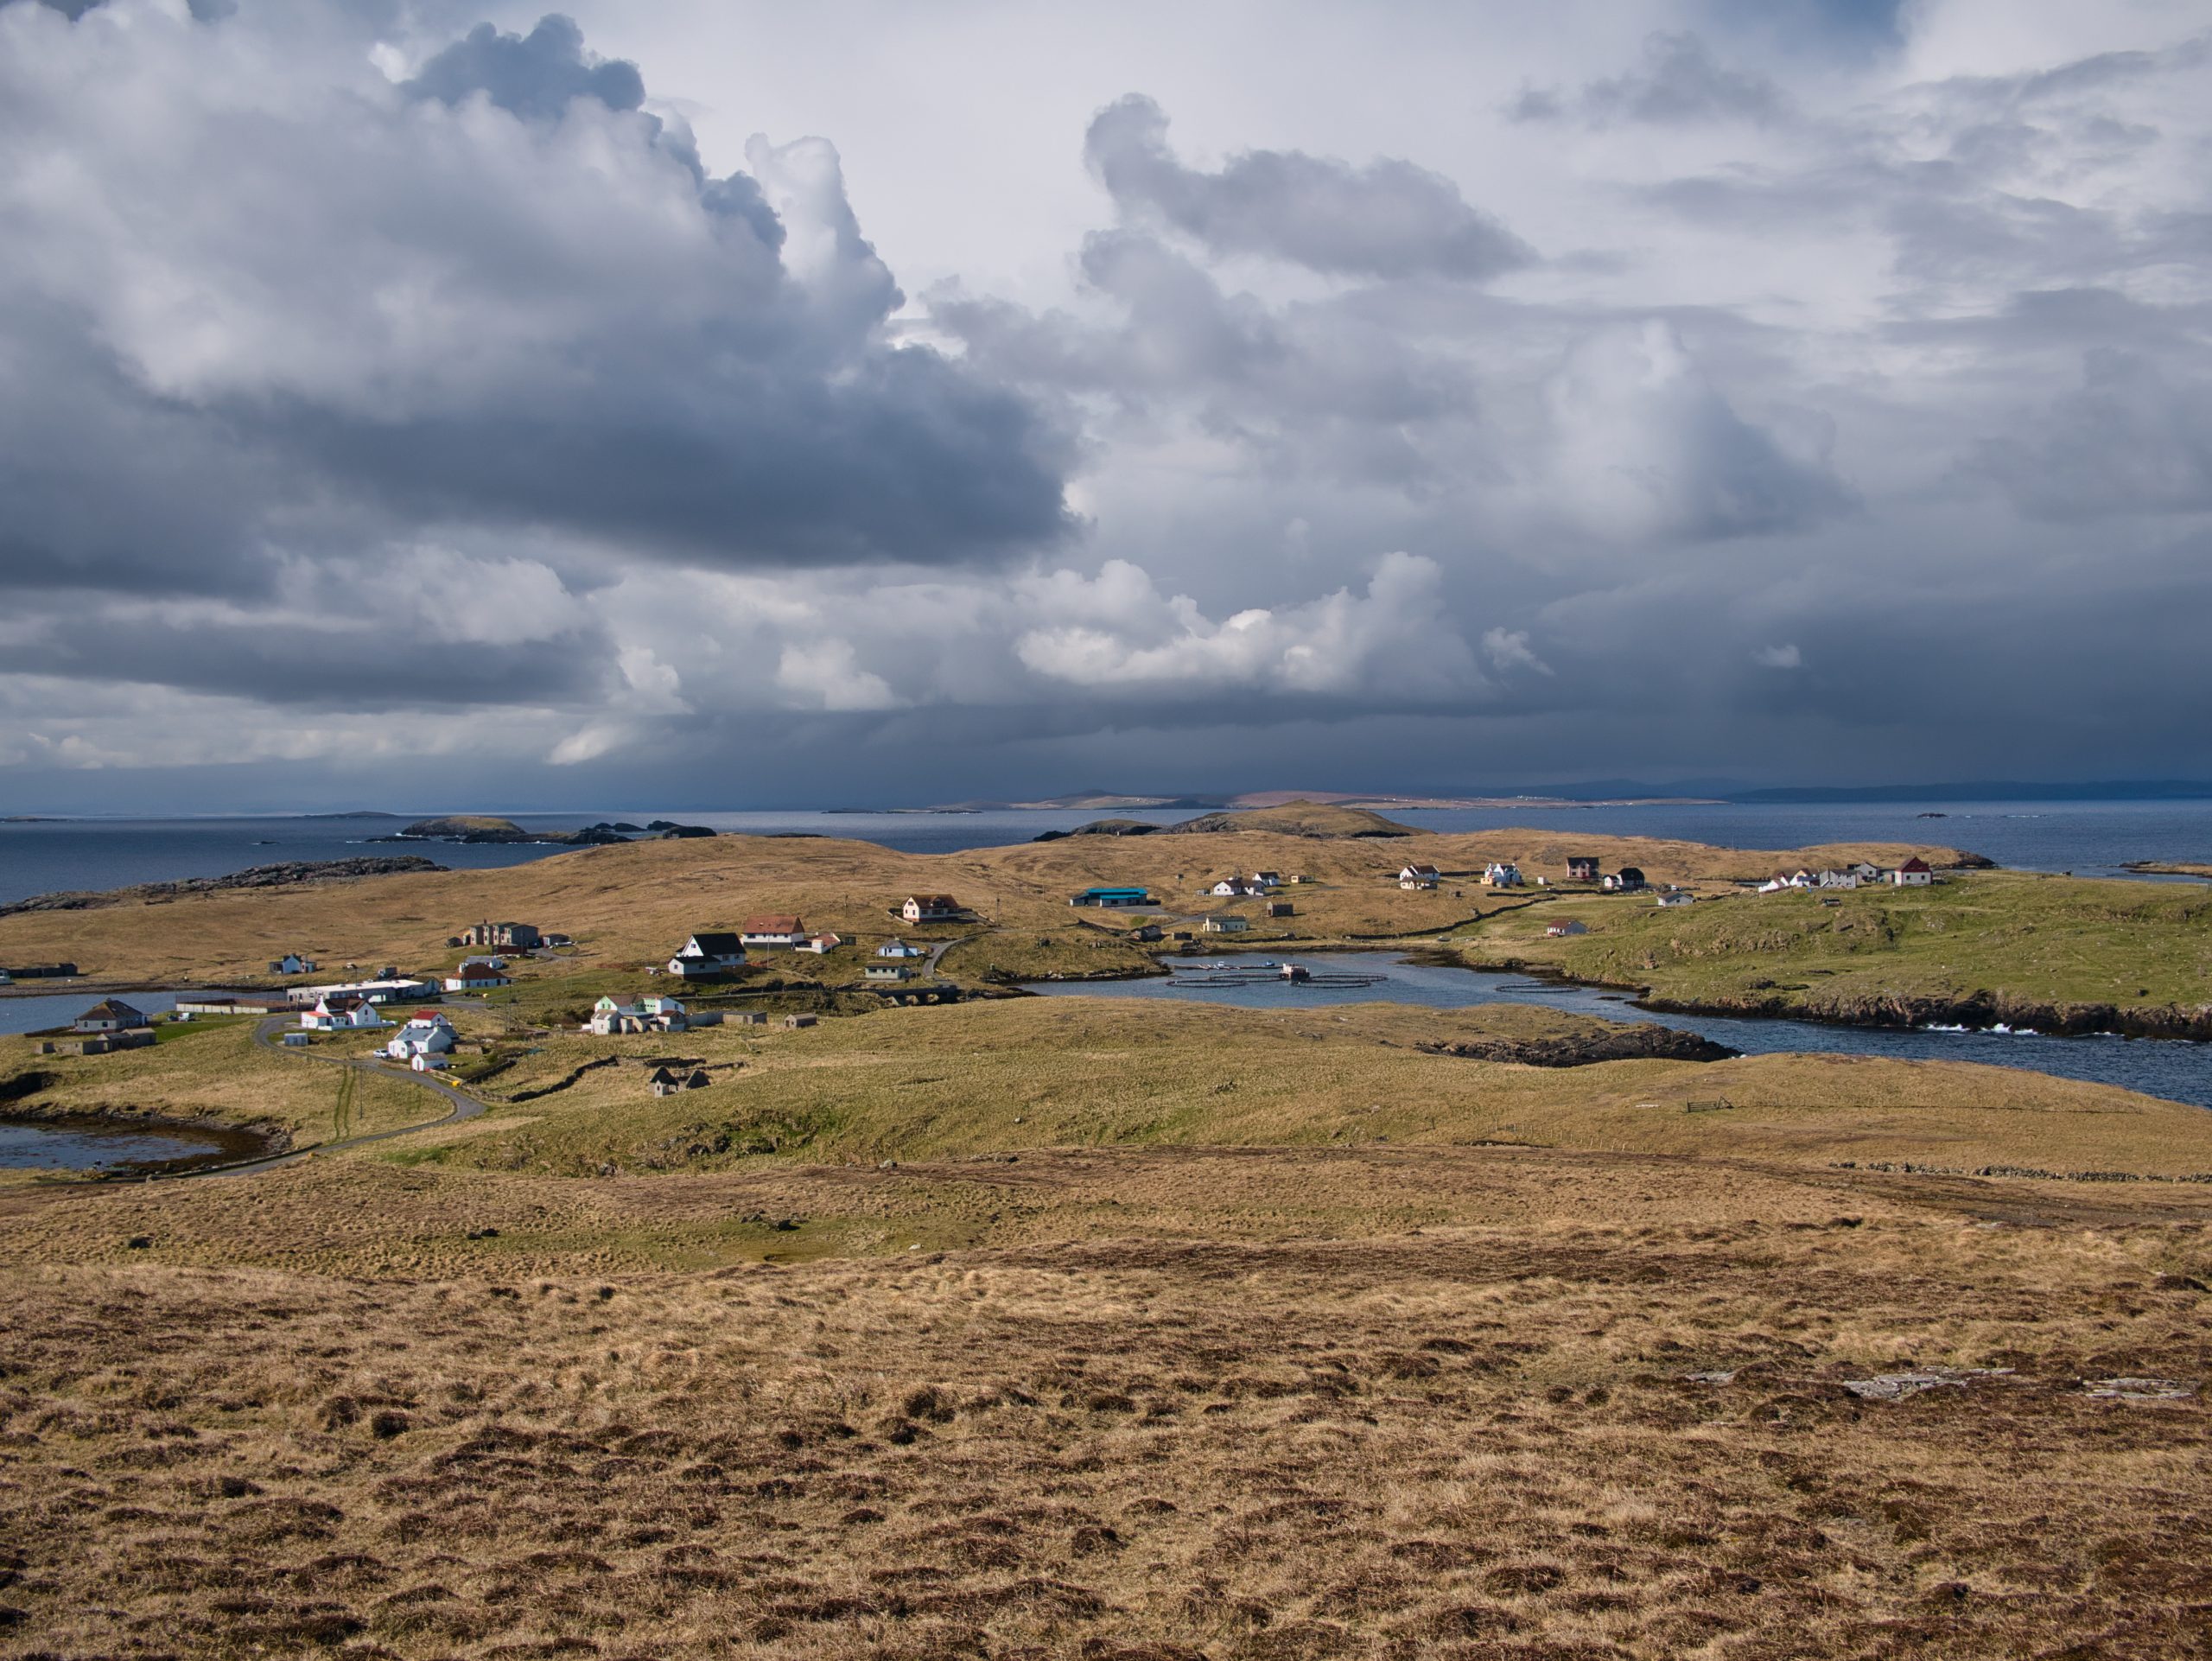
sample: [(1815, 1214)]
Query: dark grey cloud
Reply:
[(1679, 82), (2134, 437), (1390, 219), (533, 75), (309, 668), (418, 323)]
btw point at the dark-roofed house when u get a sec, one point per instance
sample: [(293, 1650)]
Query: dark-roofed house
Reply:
[(708, 953), (1627, 879), (1581, 868), (110, 1015), (931, 908), (665, 1082)]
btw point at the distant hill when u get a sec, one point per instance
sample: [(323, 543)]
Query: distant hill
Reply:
[(1103, 828), (1298, 818)]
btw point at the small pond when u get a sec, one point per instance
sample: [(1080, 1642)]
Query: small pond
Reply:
[(95, 1144)]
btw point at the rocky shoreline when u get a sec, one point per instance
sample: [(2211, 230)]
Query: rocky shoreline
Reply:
[(289, 873), (1976, 1011)]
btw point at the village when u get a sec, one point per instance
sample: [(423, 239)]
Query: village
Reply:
[(406, 1019)]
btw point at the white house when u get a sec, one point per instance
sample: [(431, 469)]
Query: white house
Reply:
[(818, 944), (477, 975), (1675, 897), (931, 908), (291, 964), (652, 1015), (1419, 876), (1232, 887), (1913, 873), (428, 1061), (1267, 879), (1502, 874), (1224, 925), (1864, 872), (425, 1034), (1572, 925), (1838, 879), (772, 929), (110, 1015), (1627, 879), (335, 1015), (899, 949)]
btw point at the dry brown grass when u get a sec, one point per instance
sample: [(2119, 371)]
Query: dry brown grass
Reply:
[(1471, 1437)]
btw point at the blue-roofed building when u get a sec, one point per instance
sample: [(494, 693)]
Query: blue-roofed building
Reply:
[(1113, 897)]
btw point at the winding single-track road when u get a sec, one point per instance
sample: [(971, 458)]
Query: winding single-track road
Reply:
[(265, 1032)]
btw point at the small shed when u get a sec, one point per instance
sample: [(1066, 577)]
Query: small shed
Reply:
[(795, 1022)]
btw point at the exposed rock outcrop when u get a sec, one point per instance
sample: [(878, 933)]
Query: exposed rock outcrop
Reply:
[(1580, 1049)]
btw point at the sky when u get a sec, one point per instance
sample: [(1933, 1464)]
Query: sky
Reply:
[(431, 405)]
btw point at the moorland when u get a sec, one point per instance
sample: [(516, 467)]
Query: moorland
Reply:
[(1115, 1329)]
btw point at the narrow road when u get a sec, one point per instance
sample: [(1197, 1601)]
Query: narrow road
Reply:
[(464, 1107), (938, 951)]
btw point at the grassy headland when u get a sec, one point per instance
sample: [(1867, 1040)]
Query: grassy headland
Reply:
[(2056, 954)]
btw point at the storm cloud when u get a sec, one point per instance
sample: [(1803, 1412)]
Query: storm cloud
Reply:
[(608, 403)]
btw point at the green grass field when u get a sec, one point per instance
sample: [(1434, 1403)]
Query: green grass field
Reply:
[(2022, 940)]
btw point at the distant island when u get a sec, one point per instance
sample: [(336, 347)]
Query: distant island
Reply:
[(484, 828)]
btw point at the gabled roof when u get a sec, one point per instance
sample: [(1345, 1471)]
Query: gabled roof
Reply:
[(1916, 863), (933, 901), (662, 1076), (112, 1010), (717, 942)]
